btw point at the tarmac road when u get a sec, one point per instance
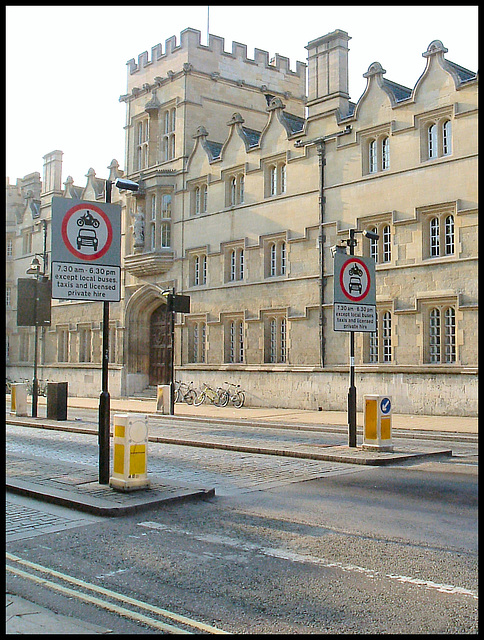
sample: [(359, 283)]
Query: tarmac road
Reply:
[(280, 500)]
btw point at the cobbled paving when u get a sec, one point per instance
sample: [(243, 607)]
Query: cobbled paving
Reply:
[(22, 521), (229, 472)]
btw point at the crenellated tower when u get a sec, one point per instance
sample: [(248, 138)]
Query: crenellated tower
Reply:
[(187, 85)]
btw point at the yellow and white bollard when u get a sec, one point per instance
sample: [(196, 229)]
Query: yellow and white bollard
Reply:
[(18, 399), (377, 429), (130, 452), (163, 395)]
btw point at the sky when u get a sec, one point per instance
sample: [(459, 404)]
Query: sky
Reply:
[(66, 65)]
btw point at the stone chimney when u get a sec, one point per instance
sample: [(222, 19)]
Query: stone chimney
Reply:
[(328, 74), (53, 172)]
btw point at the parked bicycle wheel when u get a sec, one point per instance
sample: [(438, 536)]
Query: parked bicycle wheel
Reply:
[(239, 399), (223, 398), (199, 399), (190, 396)]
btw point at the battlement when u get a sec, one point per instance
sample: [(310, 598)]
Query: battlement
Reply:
[(190, 43)]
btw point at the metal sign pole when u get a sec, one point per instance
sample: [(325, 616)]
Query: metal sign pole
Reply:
[(104, 399), (171, 303), (352, 387)]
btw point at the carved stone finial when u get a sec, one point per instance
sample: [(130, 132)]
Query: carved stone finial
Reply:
[(374, 69), (201, 132), (236, 118), (434, 47), (276, 103)]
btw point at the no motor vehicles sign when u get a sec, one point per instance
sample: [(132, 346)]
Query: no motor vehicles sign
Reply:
[(86, 250), (354, 293)]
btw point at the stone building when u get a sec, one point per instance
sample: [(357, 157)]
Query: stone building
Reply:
[(248, 179)]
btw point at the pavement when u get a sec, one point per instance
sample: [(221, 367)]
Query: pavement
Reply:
[(245, 429), (27, 618)]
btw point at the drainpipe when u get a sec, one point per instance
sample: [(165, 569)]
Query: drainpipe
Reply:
[(321, 149)]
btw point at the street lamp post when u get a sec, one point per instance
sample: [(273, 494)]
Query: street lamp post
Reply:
[(34, 269)]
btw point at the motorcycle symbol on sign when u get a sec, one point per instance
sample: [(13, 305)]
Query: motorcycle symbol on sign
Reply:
[(88, 219), (355, 279)]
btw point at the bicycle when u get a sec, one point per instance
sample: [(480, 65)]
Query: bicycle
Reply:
[(236, 397), (185, 392), (41, 387), (207, 393)]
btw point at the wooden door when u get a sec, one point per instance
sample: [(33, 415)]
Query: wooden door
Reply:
[(160, 346)]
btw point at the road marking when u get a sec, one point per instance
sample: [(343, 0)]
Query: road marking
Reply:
[(287, 554), (97, 601), (111, 594)]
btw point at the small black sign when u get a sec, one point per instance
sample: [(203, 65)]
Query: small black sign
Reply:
[(180, 303), (26, 292)]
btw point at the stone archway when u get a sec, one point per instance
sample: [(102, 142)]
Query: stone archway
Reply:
[(142, 316)]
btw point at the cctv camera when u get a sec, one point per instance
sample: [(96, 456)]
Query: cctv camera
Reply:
[(371, 235), (124, 183)]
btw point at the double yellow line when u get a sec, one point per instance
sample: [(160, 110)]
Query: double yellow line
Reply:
[(122, 611)]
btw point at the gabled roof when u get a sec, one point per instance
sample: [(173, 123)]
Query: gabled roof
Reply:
[(99, 186), (464, 74), (76, 192), (252, 136), (398, 90), (214, 149), (295, 123)]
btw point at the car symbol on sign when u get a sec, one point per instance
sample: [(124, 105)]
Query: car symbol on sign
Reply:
[(87, 238), (355, 285)]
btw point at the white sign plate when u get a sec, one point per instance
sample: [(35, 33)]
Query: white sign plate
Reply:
[(354, 317), (93, 282)]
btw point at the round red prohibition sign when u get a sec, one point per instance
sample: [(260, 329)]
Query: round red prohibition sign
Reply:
[(355, 279), (87, 232)]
